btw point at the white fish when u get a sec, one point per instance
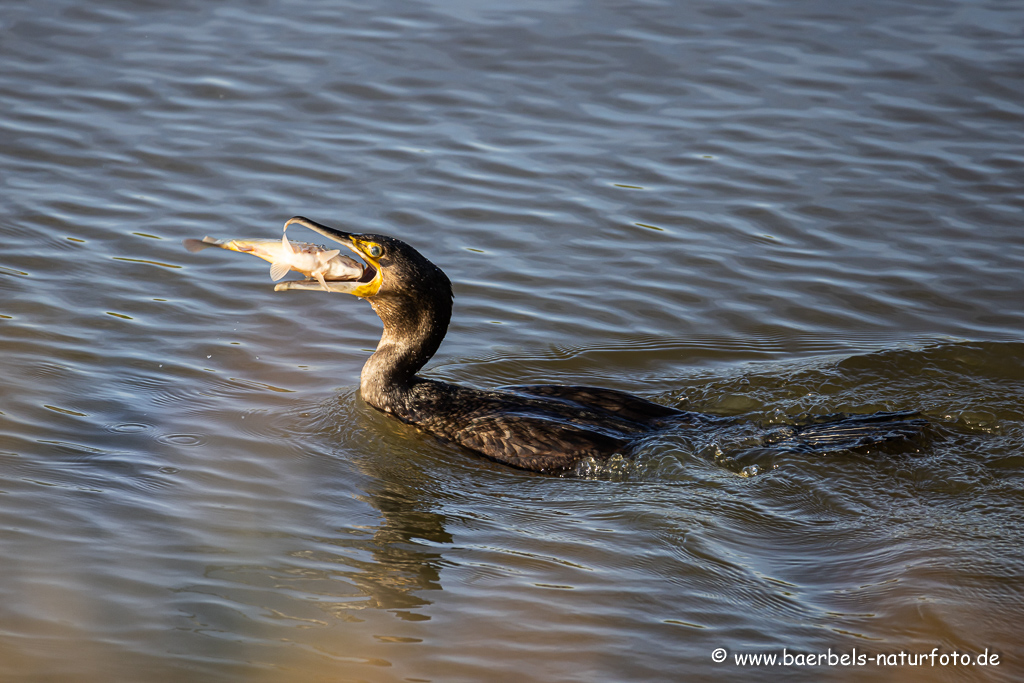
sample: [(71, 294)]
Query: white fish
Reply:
[(309, 259)]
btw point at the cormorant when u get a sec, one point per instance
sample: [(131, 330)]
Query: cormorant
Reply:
[(543, 428)]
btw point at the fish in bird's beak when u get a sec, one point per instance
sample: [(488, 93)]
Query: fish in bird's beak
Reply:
[(370, 278), (309, 259)]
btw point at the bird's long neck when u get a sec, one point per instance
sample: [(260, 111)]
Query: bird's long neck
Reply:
[(414, 327)]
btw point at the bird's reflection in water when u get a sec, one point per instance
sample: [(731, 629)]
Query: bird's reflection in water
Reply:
[(352, 527), (391, 555), (402, 564)]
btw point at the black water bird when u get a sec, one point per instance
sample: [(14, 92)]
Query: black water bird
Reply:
[(543, 428)]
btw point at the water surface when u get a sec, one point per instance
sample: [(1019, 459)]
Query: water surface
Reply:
[(764, 210)]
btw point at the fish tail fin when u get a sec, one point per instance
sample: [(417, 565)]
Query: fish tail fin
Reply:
[(198, 245)]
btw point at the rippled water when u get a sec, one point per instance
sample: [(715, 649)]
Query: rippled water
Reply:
[(763, 209)]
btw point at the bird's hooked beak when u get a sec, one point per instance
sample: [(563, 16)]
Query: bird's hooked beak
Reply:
[(366, 285)]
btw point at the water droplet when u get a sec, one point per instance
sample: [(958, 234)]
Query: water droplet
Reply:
[(750, 471)]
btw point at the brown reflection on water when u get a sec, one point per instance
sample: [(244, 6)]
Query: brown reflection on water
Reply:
[(401, 568)]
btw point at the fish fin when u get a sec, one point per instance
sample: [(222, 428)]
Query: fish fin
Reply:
[(323, 282), (278, 270), (286, 245), (198, 245), (326, 256)]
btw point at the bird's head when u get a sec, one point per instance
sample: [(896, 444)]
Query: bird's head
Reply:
[(391, 268)]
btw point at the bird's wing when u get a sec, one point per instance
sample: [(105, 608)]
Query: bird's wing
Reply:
[(535, 443), (617, 403)]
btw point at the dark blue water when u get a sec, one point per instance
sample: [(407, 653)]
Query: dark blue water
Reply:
[(762, 210)]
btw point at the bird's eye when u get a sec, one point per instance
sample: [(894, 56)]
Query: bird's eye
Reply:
[(374, 251)]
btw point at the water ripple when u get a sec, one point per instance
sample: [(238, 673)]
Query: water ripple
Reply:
[(763, 210)]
